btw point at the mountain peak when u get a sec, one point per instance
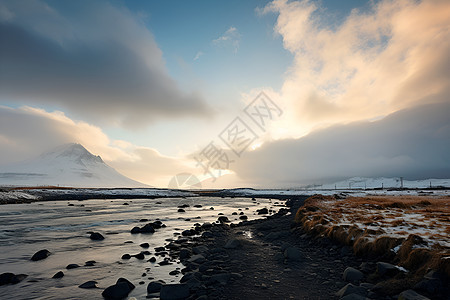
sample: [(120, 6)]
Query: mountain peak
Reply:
[(66, 165), (73, 151)]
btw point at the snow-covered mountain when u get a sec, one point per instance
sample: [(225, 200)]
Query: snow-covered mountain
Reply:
[(67, 165)]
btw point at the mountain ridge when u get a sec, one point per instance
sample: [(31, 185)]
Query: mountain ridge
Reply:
[(71, 165)]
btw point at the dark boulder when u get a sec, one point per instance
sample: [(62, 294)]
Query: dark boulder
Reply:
[(41, 254), (59, 274), (174, 292), (72, 266), (119, 290), (88, 285), (96, 236)]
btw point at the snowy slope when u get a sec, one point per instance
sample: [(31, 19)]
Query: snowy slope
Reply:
[(371, 183), (67, 165)]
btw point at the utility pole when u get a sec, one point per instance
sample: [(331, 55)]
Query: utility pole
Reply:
[(401, 182)]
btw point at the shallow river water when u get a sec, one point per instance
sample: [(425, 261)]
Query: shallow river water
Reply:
[(62, 229)]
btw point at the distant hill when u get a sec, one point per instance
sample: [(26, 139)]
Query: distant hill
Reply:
[(371, 183), (67, 165)]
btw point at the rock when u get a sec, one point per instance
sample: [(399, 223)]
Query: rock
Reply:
[(5, 278), (200, 249), (262, 211), (184, 254), (136, 229), (293, 253), (96, 236), (119, 290), (198, 259), (351, 289), (353, 297), (90, 263), (88, 285), (174, 292), (352, 275), (207, 234), (232, 244), (221, 278), (59, 274), (144, 245), (430, 285), (72, 266), (273, 236), (386, 269), (139, 255), (126, 256), (180, 210), (154, 287), (284, 246), (198, 206), (174, 272), (18, 278), (223, 219), (243, 217), (152, 259), (411, 295), (10, 278), (148, 228), (41, 254)]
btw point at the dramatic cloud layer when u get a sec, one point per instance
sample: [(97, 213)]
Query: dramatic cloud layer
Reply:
[(26, 132), (92, 58), (412, 143), (392, 56)]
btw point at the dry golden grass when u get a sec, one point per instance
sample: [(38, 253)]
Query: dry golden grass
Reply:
[(412, 231)]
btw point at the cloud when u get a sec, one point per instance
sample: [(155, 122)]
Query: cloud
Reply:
[(229, 39), (198, 55), (372, 63), (26, 132), (412, 143), (92, 58)]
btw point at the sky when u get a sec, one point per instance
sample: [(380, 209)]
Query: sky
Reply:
[(236, 93)]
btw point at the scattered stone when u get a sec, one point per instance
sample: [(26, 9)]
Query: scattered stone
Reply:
[(41, 254), (243, 217), (232, 244), (184, 254), (198, 206), (10, 278), (352, 275), (174, 292), (96, 236), (198, 259), (293, 253), (411, 295), (386, 269), (154, 287), (144, 245), (262, 211), (200, 249), (221, 278), (88, 285), (223, 219), (353, 297), (152, 259), (180, 210), (119, 290), (90, 263), (139, 256), (126, 256), (174, 272), (72, 266), (351, 289), (59, 274)]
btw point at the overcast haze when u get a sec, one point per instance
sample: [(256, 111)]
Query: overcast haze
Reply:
[(363, 86)]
